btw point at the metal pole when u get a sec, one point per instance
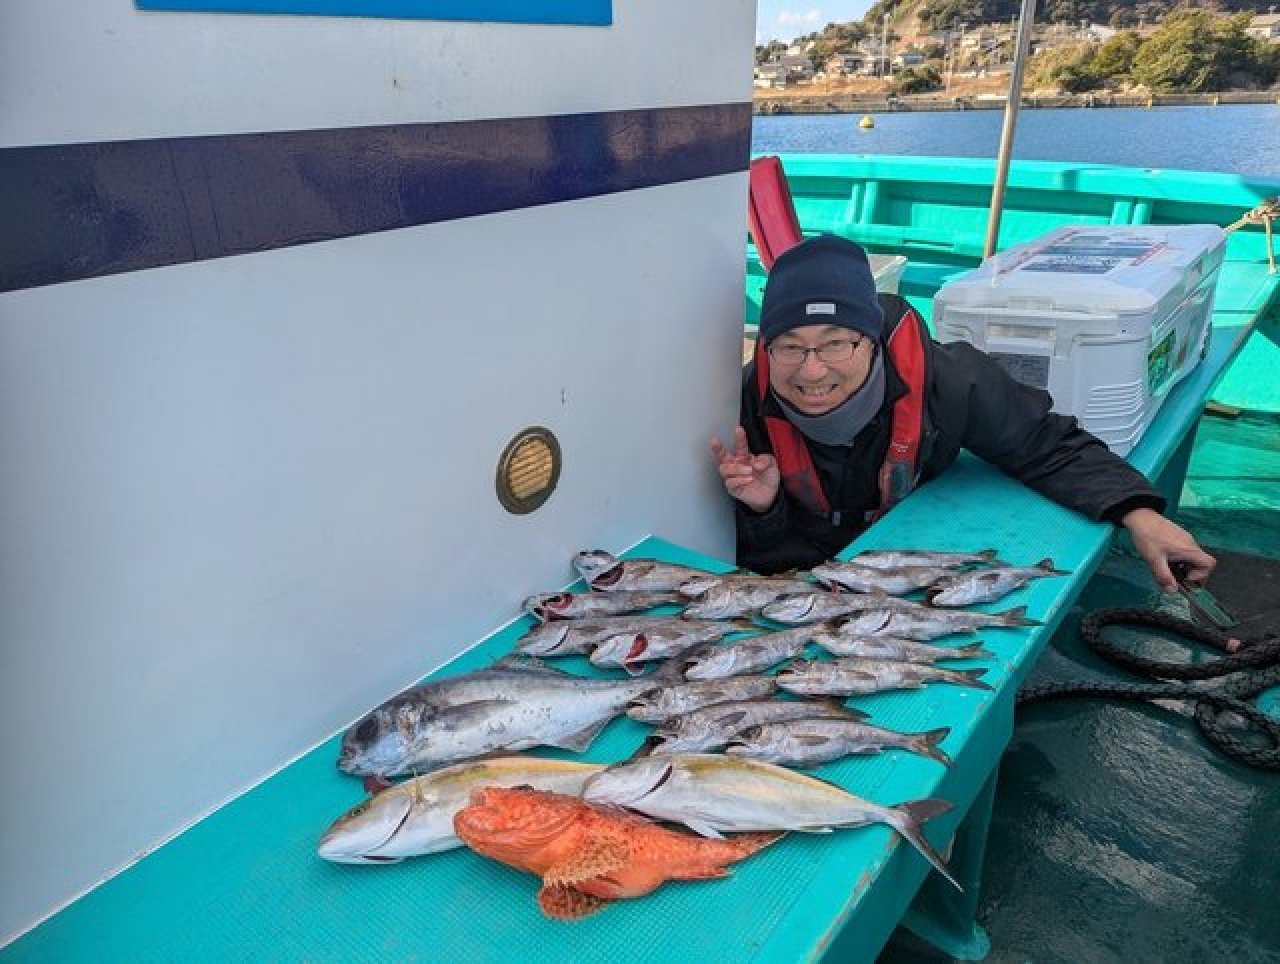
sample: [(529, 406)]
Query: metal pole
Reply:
[(884, 48), (1026, 23)]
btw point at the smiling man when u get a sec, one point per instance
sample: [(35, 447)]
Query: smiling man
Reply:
[(850, 404)]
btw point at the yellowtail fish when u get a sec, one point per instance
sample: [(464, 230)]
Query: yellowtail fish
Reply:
[(716, 794), (415, 817)]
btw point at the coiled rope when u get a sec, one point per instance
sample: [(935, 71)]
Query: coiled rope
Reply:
[(1264, 214), (1254, 666)]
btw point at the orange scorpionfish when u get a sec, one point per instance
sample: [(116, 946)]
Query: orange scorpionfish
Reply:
[(588, 855)]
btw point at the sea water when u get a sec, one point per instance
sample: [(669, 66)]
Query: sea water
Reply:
[(1229, 139)]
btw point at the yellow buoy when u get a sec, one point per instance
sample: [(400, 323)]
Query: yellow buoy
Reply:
[(867, 122)]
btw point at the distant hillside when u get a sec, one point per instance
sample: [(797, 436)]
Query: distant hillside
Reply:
[(937, 14)]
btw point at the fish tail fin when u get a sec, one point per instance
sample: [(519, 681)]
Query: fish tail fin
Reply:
[(672, 670), (926, 744), (834, 703), (970, 677), (1046, 564), (907, 818), (974, 651), (1017, 617)]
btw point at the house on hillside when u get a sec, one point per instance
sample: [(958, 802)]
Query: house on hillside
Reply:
[(983, 39), (847, 63), (1265, 26), (908, 58), (785, 70)]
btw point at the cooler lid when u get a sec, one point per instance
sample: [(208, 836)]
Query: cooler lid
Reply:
[(1093, 269)]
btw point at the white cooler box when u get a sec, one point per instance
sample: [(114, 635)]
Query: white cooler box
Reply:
[(1107, 319)]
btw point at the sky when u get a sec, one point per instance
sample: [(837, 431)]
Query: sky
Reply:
[(788, 19)]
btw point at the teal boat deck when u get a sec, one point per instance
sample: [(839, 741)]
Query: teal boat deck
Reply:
[(245, 884)]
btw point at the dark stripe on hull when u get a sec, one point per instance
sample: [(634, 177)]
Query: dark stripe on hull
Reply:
[(86, 210)]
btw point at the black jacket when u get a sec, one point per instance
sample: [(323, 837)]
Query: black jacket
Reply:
[(972, 403)]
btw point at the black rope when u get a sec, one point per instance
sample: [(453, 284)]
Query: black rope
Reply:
[(1219, 711)]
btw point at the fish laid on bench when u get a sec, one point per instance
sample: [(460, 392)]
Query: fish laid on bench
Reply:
[(713, 795), (587, 855), (501, 708), (415, 817)]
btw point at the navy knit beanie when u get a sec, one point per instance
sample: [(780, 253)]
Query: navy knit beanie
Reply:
[(825, 280)]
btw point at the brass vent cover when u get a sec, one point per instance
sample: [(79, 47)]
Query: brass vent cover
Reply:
[(528, 470)]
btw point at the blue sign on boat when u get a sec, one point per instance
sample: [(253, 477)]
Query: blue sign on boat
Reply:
[(598, 12)]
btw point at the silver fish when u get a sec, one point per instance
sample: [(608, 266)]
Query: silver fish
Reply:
[(813, 607), (894, 558), (575, 637), (714, 794), (711, 727), (897, 581), (988, 585), (697, 585), (680, 698), (846, 677), (632, 650), (585, 605), (899, 650), (924, 623), (415, 817), (751, 655), (742, 598), (812, 742), (603, 570), (490, 710)]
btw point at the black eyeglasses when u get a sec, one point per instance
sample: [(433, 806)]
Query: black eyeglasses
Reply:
[(829, 352)]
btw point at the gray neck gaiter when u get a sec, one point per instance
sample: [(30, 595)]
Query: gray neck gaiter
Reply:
[(843, 423)]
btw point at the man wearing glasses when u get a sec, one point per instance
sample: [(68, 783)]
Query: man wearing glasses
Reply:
[(849, 404)]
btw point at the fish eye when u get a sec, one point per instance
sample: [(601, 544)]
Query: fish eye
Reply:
[(366, 730), (358, 809)]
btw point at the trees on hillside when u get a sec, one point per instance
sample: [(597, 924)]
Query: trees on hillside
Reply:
[(1192, 51)]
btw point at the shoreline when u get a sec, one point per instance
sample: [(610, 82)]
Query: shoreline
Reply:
[(852, 104)]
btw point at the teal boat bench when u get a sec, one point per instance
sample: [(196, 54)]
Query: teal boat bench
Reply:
[(244, 884)]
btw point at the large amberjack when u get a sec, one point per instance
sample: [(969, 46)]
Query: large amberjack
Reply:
[(713, 795), (500, 709), (415, 817)]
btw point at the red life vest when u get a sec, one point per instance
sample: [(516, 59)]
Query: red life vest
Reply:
[(898, 473)]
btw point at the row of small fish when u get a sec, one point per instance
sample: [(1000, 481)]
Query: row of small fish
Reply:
[(733, 595)]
